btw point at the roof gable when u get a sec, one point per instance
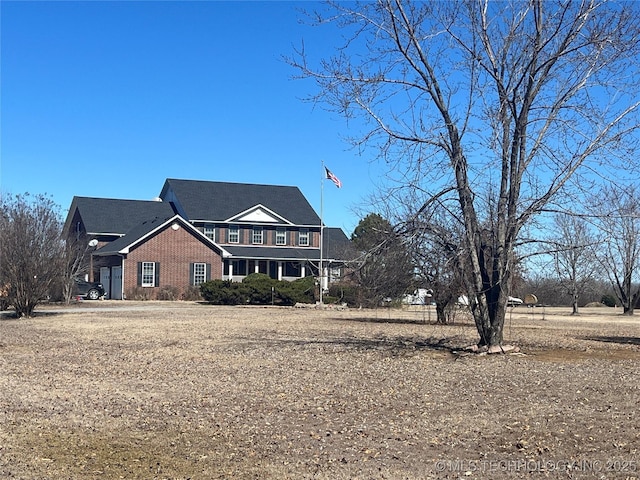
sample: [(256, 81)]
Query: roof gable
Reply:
[(258, 214), (147, 229), (200, 200)]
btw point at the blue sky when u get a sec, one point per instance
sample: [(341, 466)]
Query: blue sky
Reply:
[(108, 99)]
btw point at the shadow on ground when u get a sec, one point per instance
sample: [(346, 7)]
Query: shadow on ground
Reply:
[(393, 345), (612, 339), (405, 321), (11, 314)]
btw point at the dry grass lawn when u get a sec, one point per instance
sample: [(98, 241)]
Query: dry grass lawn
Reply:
[(181, 390)]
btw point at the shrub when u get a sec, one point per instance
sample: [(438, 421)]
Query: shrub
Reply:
[(168, 292), (191, 293), (138, 293), (346, 293), (224, 292), (259, 288), (330, 299), (609, 300), (298, 291)]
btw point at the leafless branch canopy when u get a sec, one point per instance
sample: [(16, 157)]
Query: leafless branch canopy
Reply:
[(511, 106)]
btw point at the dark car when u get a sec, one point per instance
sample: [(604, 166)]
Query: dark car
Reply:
[(90, 290)]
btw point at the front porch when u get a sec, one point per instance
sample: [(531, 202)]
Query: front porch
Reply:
[(289, 270)]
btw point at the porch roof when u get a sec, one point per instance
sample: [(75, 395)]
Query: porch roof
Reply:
[(274, 253)]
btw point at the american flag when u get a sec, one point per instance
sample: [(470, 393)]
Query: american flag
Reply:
[(333, 178)]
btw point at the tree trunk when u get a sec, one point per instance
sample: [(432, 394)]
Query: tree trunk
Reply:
[(574, 303), (441, 314), (489, 319)]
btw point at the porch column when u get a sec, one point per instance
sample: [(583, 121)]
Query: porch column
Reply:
[(230, 269), (303, 270), (279, 270)]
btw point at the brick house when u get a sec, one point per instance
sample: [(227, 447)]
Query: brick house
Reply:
[(200, 230)]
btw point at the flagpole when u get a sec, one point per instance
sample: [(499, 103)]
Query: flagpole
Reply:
[(320, 269)]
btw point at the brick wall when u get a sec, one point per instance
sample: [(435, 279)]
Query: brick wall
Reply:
[(175, 250)]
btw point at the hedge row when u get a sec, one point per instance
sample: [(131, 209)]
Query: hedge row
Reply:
[(258, 289)]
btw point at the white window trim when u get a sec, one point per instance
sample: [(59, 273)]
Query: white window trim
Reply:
[(236, 233), (304, 234), (255, 232), (210, 232), (199, 278), (281, 236), (146, 265)]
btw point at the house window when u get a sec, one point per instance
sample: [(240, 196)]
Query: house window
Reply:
[(281, 236), (210, 232), (199, 273), (257, 236), (334, 273), (148, 274), (303, 238), (239, 267), (234, 234)]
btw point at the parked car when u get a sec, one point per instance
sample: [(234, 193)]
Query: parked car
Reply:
[(511, 301), (514, 302), (89, 290)]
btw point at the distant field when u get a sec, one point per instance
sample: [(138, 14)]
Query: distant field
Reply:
[(143, 390)]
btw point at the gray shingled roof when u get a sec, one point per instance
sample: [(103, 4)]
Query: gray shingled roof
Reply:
[(213, 201), (140, 231), (336, 245), (219, 201), (281, 253), (113, 216), (131, 236)]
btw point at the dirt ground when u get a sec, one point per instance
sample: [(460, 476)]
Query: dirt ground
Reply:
[(158, 390)]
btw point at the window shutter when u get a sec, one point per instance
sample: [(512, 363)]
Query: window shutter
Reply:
[(192, 279), (208, 272), (139, 274), (298, 237), (157, 279)]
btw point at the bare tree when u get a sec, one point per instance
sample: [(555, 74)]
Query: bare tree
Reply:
[(507, 104), (75, 261), (573, 256), (31, 250), (620, 251), (435, 243)]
